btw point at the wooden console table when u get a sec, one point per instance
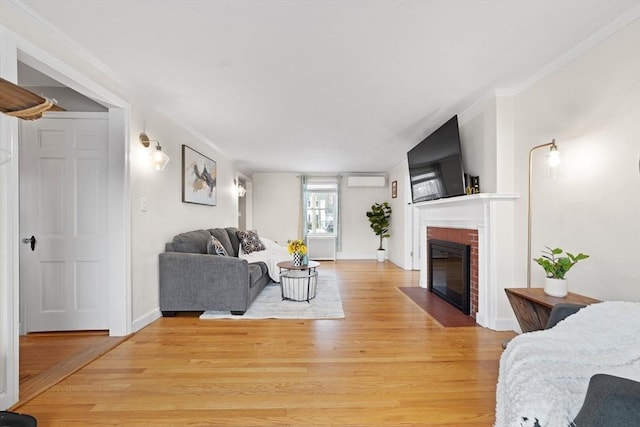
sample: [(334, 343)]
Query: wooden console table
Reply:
[(532, 306)]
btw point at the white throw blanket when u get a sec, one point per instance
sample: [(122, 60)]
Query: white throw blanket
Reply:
[(544, 374), (271, 256)]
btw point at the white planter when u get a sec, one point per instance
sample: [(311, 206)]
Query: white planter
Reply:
[(556, 287), (382, 254)]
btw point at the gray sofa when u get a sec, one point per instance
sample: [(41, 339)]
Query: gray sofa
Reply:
[(193, 280)]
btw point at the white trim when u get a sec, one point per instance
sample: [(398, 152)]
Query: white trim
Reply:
[(119, 249), (119, 222), (146, 319), (507, 324), (75, 115), (9, 292)]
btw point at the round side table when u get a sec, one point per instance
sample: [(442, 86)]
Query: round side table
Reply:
[(298, 282)]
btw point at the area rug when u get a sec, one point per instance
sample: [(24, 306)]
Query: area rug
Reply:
[(269, 305)]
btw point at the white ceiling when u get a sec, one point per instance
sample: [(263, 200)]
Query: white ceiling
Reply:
[(323, 86)]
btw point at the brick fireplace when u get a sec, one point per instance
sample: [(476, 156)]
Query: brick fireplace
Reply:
[(485, 222), (462, 236)]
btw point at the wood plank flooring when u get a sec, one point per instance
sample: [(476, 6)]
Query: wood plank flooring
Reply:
[(47, 358), (387, 363)]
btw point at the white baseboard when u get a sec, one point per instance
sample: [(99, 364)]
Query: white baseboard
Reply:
[(507, 324), (353, 255), (146, 319)]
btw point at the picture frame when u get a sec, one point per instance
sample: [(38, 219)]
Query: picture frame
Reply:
[(394, 189), (198, 178)]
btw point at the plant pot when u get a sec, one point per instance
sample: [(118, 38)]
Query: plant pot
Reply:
[(556, 287), (381, 255)]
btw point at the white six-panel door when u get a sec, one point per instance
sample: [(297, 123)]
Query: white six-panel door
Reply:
[(63, 204)]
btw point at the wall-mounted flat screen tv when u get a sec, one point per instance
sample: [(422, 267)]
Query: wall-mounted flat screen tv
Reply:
[(435, 164)]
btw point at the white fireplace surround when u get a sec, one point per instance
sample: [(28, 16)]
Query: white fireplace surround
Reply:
[(492, 215)]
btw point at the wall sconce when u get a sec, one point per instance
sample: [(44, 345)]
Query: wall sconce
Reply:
[(553, 160), (158, 157), (241, 190)]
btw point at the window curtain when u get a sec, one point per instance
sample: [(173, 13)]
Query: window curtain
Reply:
[(302, 226), (339, 216)]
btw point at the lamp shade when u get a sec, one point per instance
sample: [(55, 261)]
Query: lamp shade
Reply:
[(159, 159), (554, 157)]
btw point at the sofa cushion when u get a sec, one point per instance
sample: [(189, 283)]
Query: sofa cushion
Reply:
[(256, 273), (233, 237), (215, 247), (250, 241), (192, 241)]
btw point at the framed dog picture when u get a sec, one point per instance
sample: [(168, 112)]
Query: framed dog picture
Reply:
[(394, 189), (198, 178)]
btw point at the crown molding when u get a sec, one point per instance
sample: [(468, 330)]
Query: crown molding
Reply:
[(582, 47)]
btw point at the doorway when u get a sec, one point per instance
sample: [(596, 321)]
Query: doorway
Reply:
[(117, 244), (63, 169)]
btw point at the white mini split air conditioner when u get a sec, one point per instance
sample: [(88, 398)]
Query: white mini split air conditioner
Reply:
[(366, 181)]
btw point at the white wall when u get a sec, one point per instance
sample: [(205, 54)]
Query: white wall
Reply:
[(400, 244), (591, 106), (276, 208), (167, 215), (358, 239), (478, 140)]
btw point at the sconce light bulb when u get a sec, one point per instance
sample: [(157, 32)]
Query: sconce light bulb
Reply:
[(159, 159), (554, 157)]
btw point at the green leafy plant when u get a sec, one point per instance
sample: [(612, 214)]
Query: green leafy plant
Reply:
[(379, 218), (556, 265)]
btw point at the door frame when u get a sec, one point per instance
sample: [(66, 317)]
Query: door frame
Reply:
[(14, 48)]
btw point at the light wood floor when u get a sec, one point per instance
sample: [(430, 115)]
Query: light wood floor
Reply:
[(386, 363), (47, 358)]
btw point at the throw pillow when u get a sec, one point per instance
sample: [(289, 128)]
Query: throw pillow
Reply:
[(214, 247), (250, 241)]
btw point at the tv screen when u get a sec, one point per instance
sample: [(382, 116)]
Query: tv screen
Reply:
[(435, 164)]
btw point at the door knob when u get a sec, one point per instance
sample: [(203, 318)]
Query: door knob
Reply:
[(31, 240)]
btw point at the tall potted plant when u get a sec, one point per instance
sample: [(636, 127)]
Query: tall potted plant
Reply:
[(556, 266), (379, 218)]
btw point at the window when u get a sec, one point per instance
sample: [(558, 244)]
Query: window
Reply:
[(321, 201)]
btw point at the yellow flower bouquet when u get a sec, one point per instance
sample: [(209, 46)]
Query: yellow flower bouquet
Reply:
[(296, 247)]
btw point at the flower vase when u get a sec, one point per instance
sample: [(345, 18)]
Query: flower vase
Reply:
[(297, 259)]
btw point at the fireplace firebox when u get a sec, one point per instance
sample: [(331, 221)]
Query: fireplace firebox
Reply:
[(448, 272)]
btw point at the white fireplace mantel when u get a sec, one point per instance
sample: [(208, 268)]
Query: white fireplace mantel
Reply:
[(492, 214)]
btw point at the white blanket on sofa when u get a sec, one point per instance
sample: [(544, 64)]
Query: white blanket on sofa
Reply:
[(544, 374), (271, 256)]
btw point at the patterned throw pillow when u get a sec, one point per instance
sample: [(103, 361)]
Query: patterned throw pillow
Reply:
[(250, 241), (214, 247)]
